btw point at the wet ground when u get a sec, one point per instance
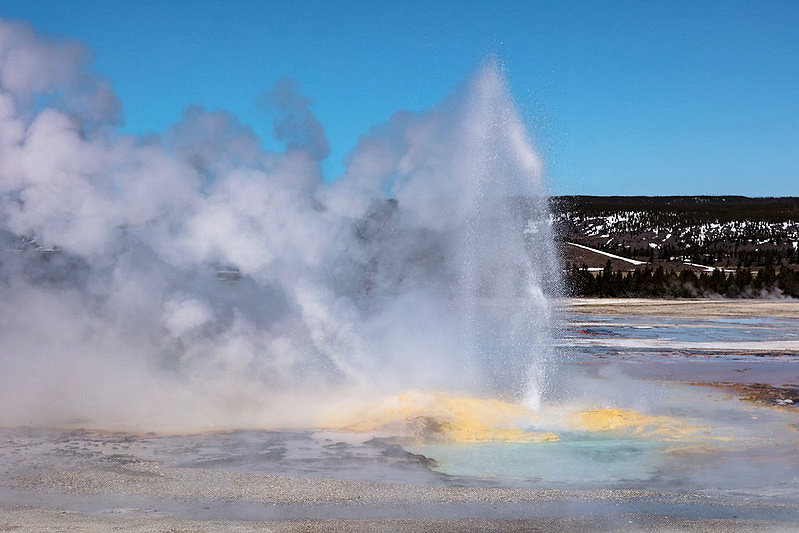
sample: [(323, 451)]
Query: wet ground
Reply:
[(750, 348), (730, 377)]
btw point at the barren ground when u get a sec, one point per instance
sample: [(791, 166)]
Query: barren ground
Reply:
[(683, 308)]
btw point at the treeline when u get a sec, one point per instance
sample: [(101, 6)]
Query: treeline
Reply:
[(685, 210), (659, 283), (711, 254)]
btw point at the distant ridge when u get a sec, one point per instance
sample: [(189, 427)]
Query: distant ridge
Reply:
[(680, 232), (721, 208)]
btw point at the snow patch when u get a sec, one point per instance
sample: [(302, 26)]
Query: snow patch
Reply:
[(607, 254)]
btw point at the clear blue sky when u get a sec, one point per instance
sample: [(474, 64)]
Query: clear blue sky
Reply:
[(636, 97)]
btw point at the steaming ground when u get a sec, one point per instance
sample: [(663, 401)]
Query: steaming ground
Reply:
[(643, 443)]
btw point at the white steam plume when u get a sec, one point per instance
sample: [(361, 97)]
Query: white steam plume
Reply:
[(194, 279)]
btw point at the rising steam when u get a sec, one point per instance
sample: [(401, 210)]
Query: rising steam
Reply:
[(193, 279)]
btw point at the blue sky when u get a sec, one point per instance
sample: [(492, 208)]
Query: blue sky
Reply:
[(621, 97)]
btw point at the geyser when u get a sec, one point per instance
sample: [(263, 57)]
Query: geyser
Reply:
[(194, 279)]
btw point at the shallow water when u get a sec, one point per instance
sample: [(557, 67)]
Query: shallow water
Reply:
[(741, 451), (642, 336), (578, 460), (744, 448), (321, 454), (659, 366)]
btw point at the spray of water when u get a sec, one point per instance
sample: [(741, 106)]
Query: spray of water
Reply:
[(194, 279)]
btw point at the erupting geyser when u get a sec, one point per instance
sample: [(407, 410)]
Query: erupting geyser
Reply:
[(193, 279)]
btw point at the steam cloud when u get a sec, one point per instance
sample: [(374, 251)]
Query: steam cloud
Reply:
[(193, 279)]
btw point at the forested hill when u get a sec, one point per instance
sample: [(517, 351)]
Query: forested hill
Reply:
[(693, 209), (717, 231), (676, 242)]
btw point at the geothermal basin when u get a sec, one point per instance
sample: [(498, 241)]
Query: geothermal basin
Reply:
[(651, 428), (200, 333)]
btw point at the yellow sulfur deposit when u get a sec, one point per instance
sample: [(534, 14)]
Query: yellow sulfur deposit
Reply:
[(434, 417), (632, 423), (426, 416)]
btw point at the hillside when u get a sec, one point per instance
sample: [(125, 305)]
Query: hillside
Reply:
[(678, 246), (713, 231)]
